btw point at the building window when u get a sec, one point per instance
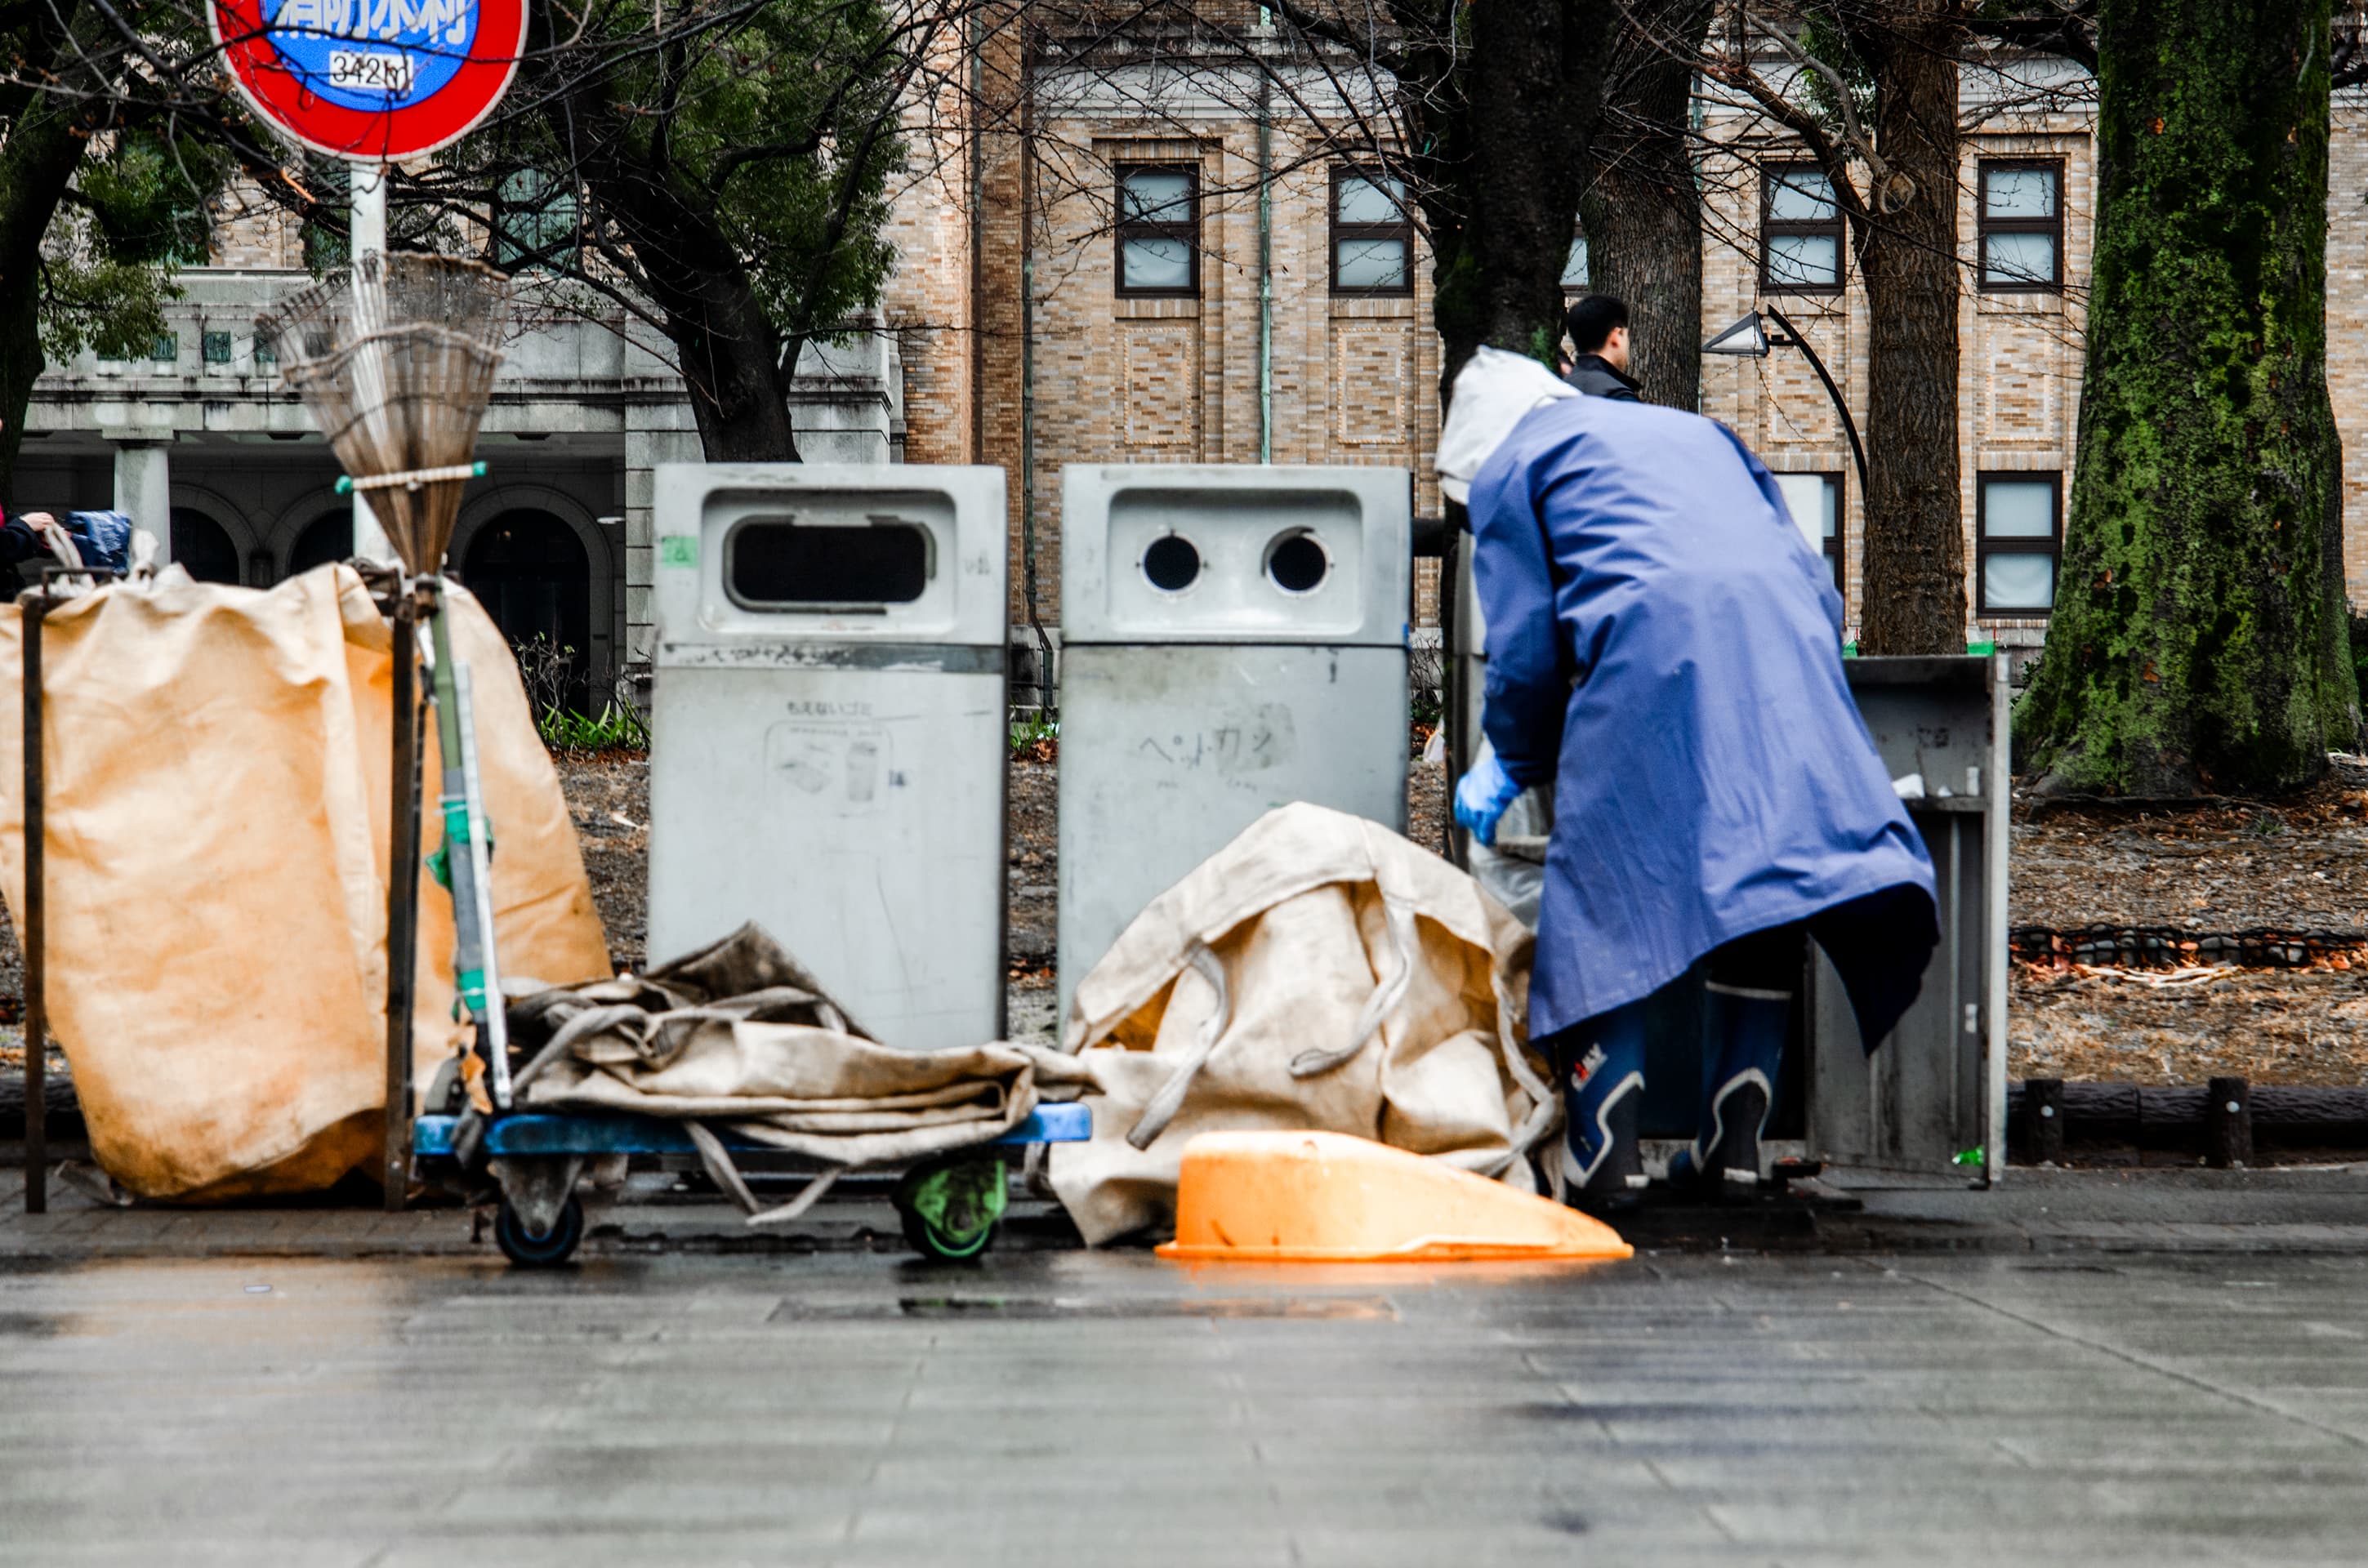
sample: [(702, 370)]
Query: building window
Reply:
[(1574, 267), (166, 348), (1372, 235), (216, 346), (2023, 226), (2019, 535), (1815, 502), (534, 220), (1158, 230), (1800, 232)]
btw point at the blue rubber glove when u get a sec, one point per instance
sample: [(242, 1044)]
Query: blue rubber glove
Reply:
[(1481, 798)]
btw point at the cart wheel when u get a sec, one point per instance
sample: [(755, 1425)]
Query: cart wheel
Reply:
[(952, 1208), (547, 1251)]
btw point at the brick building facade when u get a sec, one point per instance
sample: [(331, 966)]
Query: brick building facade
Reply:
[(1067, 366), (1295, 329), (1024, 347)]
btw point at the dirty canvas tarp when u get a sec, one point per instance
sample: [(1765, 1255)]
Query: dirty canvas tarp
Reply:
[(738, 1038), (1320, 972), (217, 764)]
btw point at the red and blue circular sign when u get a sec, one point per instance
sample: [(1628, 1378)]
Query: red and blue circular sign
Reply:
[(375, 80)]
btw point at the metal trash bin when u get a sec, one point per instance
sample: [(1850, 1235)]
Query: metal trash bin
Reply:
[(1932, 1100), (1233, 639), (828, 730)]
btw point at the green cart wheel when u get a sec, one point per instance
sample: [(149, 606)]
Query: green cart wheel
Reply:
[(953, 1207)]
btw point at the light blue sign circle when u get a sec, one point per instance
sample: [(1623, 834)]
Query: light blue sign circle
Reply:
[(374, 55)]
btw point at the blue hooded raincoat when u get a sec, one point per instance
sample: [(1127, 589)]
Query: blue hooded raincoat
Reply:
[(1664, 645)]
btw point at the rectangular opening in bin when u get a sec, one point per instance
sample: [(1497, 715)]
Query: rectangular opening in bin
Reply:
[(782, 563)]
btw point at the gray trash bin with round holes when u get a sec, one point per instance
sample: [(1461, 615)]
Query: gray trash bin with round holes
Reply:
[(829, 730), (1233, 639)]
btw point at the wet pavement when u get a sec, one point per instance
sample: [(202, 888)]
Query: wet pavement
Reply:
[(1059, 1408), (2286, 1210)]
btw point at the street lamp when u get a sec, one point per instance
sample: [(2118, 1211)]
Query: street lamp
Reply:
[(1749, 339)]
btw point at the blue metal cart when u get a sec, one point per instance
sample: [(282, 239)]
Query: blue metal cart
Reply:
[(950, 1206)]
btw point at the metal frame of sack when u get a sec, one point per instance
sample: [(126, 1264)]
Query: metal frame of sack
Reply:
[(34, 607), (465, 864), (402, 893)]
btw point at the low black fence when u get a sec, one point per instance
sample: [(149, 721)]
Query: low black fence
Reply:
[(2222, 1121), (2172, 947)]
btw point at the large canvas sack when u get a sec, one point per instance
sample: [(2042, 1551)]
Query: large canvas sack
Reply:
[(1319, 972), (217, 801), (739, 1035)]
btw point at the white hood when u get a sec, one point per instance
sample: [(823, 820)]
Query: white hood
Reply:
[(1493, 392)]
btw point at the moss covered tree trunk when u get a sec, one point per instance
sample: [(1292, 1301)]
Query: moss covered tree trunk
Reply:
[(1643, 207), (2194, 646)]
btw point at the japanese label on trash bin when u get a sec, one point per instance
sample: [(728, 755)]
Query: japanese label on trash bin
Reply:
[(1248, 742), (846, 769)]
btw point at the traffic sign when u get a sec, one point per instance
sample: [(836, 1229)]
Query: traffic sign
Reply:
[(374, 81)]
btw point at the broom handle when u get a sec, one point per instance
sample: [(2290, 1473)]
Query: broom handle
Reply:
[(467, 843)]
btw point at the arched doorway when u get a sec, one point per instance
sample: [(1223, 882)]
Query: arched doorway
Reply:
[(329, 537), (203, 547), (532, 574)]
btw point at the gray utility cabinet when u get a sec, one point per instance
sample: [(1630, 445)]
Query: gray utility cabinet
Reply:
[(830, 739), (1233, 639), (1937, 1088)]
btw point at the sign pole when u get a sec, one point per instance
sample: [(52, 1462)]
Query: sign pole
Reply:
[(367, 185)]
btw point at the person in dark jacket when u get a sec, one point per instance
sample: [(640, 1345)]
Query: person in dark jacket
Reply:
[(20, 540), (1598, 325)]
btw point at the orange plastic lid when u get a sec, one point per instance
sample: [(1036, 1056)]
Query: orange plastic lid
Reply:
[(1330, 1198)]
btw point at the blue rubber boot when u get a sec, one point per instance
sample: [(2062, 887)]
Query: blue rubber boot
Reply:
[(1747, 1028), (1601, 1064)]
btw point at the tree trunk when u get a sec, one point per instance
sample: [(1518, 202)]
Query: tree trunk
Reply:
[(1914, 551), (2191, 649), (732, 357), (37, 164), (1502, 187), (684, 264), (1642, 208), (732, 365)]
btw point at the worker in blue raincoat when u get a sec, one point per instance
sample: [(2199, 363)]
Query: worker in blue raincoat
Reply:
[(1665, 647)]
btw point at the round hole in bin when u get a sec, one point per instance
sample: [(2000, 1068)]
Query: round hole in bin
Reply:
[(1296, 563), (1171, 563)]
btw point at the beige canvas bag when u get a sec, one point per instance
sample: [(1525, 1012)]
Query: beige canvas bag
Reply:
[(217, 800), (1319, 972)]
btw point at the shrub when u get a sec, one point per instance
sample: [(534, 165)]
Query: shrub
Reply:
[(1426, 683), (549, 671), (573, 734), (1035, 739)]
